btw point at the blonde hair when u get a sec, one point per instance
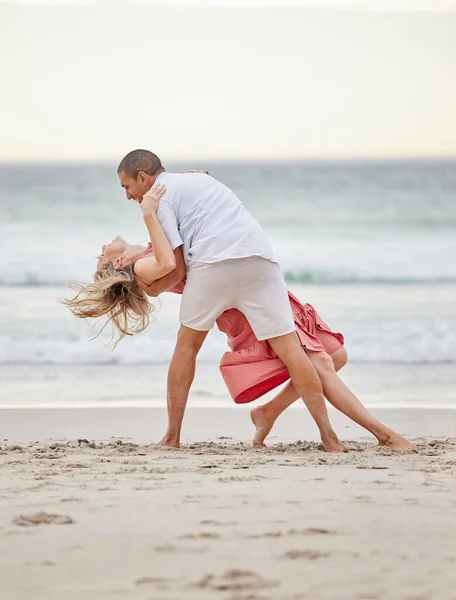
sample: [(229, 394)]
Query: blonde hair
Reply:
[(116, 293)]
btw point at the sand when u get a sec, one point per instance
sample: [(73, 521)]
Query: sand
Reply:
[(122, 519)]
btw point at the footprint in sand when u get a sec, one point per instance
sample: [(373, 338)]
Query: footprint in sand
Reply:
[(232, 478), (200, 536), (181, 549), (307, 554), (41, 518), (234, 580), (307, 531), (311, 531), (72, 500), (160, 582), (210, 522)]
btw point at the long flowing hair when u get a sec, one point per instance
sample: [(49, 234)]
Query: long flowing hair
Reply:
[(115, 293)]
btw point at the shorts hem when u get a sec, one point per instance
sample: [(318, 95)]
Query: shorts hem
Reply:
[(269, 336), (196, 327)]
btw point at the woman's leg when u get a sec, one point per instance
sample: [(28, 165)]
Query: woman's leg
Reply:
[(339, 358), (263, 417), (337, 393), (342, 398)]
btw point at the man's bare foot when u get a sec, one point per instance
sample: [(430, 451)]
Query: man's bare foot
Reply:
[(331, 443), (396, 442), (263, 424)]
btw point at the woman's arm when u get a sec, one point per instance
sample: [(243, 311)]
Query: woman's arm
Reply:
[(148, 271), (168, 281), (163, 262), (163, 252)]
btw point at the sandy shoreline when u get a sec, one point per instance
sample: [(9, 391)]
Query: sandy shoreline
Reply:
[(112, 385), (219, 519), (203, 424)]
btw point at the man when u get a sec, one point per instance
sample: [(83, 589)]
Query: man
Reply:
[(229, 264)]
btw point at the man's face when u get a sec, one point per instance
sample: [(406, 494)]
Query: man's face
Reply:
[(134, 188)]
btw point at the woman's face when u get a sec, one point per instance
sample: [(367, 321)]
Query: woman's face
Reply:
[(113, 253)]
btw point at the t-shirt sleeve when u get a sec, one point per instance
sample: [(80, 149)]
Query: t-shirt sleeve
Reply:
[(168, 221)]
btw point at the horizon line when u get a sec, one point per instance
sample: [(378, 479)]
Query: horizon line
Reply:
[(228, 161)]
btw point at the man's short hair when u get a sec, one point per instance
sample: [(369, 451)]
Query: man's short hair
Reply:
[(140, 160)]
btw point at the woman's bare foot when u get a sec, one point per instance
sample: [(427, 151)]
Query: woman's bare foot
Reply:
[(396, 442), (169, 442), (331, 443), (263, 424), (264, 420)]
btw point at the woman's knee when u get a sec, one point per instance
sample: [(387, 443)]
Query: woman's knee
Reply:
[(323, 363), (339, 358)]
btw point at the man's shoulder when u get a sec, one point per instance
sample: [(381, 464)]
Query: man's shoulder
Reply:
[(179, 176), (189, 181), (177, 179), (166, 176), (187, 177)]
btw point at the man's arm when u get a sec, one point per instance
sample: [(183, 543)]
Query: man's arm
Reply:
[(170, 280)]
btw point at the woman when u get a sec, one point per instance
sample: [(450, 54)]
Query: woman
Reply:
[(250, 368)]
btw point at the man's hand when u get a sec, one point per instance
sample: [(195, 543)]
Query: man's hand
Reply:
[(149, 204)]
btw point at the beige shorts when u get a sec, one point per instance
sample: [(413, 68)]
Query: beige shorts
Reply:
[(253, 285)]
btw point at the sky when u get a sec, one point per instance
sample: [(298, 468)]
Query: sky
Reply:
[(227, 80)]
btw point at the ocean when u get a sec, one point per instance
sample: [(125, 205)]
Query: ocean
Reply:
[(371, 244)]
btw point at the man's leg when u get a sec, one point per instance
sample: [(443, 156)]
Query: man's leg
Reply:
[(342, 398), (180, 377), (264, 417), (305, 379)]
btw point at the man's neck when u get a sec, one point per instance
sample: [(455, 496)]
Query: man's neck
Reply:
[(153, 178)]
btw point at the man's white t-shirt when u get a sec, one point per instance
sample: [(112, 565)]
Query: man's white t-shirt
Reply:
[(209, 220)]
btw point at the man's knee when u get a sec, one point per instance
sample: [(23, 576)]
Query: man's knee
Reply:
[(290, 351), (286, 345), (189, 341), (339, 358)]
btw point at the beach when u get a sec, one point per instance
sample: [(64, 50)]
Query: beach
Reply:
[(102, 516), (92, 506), (333, 123)]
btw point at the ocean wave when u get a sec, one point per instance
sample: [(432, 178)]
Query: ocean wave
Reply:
[(407, 346), (323, 278), (59, 257), (381, 324), (292, 276)]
